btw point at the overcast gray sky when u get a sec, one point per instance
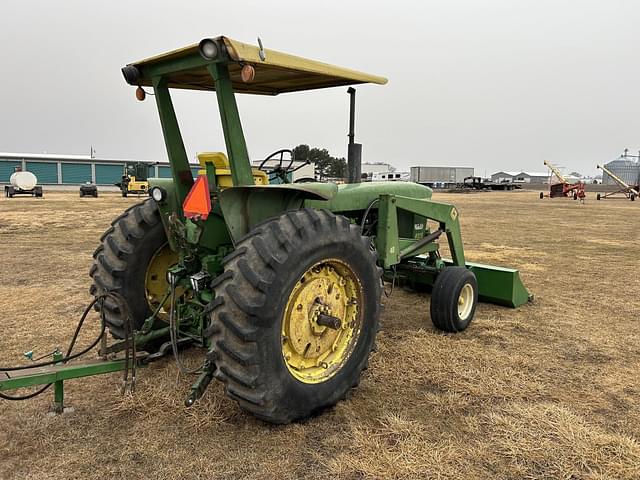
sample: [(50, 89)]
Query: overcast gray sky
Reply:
[(498, 85)]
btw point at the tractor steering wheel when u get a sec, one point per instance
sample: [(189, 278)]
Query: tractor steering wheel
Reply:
[(279, 171)]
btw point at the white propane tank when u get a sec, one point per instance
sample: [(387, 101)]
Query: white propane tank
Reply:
[(23, 180)]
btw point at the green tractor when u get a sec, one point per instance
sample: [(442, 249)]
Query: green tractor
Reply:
[(281, 283)]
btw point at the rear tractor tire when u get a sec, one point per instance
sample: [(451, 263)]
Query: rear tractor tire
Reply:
[(453, 299), (295, 315), (132, 260)]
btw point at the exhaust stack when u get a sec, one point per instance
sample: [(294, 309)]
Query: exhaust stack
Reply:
[(354, 151)]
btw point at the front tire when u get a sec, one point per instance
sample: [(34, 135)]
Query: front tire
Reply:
[(269, 348), (453, 299)]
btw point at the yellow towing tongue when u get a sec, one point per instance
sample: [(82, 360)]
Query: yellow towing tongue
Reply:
[(497, 285)]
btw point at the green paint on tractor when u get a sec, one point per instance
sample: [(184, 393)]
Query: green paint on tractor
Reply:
[(273, 272)]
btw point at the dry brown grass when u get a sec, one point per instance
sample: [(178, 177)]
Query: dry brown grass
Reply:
[(546, 391)]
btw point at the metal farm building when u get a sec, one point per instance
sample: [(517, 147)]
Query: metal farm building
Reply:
[(74, 169), (521, 177)]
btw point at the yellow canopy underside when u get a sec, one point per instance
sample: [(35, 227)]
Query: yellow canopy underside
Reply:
[(278, 73)]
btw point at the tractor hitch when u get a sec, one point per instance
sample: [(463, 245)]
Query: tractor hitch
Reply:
[(199, 387)]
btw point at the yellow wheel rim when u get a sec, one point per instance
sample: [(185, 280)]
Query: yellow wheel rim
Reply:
[(313, 352), (156, 284)]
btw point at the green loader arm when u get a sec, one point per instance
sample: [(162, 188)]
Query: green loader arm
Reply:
[(497, 285)]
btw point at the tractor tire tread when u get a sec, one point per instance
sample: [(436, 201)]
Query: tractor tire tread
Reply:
[(114, 261), (444, 297), (241, 302)]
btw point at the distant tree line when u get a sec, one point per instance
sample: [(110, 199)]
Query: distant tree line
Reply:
[(326, 166)]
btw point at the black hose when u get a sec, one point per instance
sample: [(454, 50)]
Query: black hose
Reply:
[(129, 340), (173, 333), (68, 356), (71, 345), (24, 397), (393, 283), (366, 214)]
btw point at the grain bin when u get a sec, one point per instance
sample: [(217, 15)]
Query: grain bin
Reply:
[(627, 170)]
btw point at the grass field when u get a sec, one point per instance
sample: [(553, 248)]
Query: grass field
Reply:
[(550, 390)]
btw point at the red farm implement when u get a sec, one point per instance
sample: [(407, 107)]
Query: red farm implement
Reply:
[(563, 188)]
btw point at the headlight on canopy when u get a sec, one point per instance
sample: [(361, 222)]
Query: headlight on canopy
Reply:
[(208, 49)]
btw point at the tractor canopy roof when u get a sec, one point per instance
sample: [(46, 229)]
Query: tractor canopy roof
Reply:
[(274, 72)]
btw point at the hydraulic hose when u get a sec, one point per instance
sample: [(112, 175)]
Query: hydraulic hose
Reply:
[(173, 331), (69, 355), (366, 214)]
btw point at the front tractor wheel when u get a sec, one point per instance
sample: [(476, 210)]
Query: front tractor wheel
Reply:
[(132, 260), (453, 299), (295, 315)]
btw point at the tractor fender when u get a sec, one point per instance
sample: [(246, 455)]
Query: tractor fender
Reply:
[(245, 206)]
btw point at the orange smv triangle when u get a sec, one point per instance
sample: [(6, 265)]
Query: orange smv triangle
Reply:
[(198, 202)]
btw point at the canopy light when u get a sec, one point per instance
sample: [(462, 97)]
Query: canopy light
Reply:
[(208, 49), (131, 74)]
